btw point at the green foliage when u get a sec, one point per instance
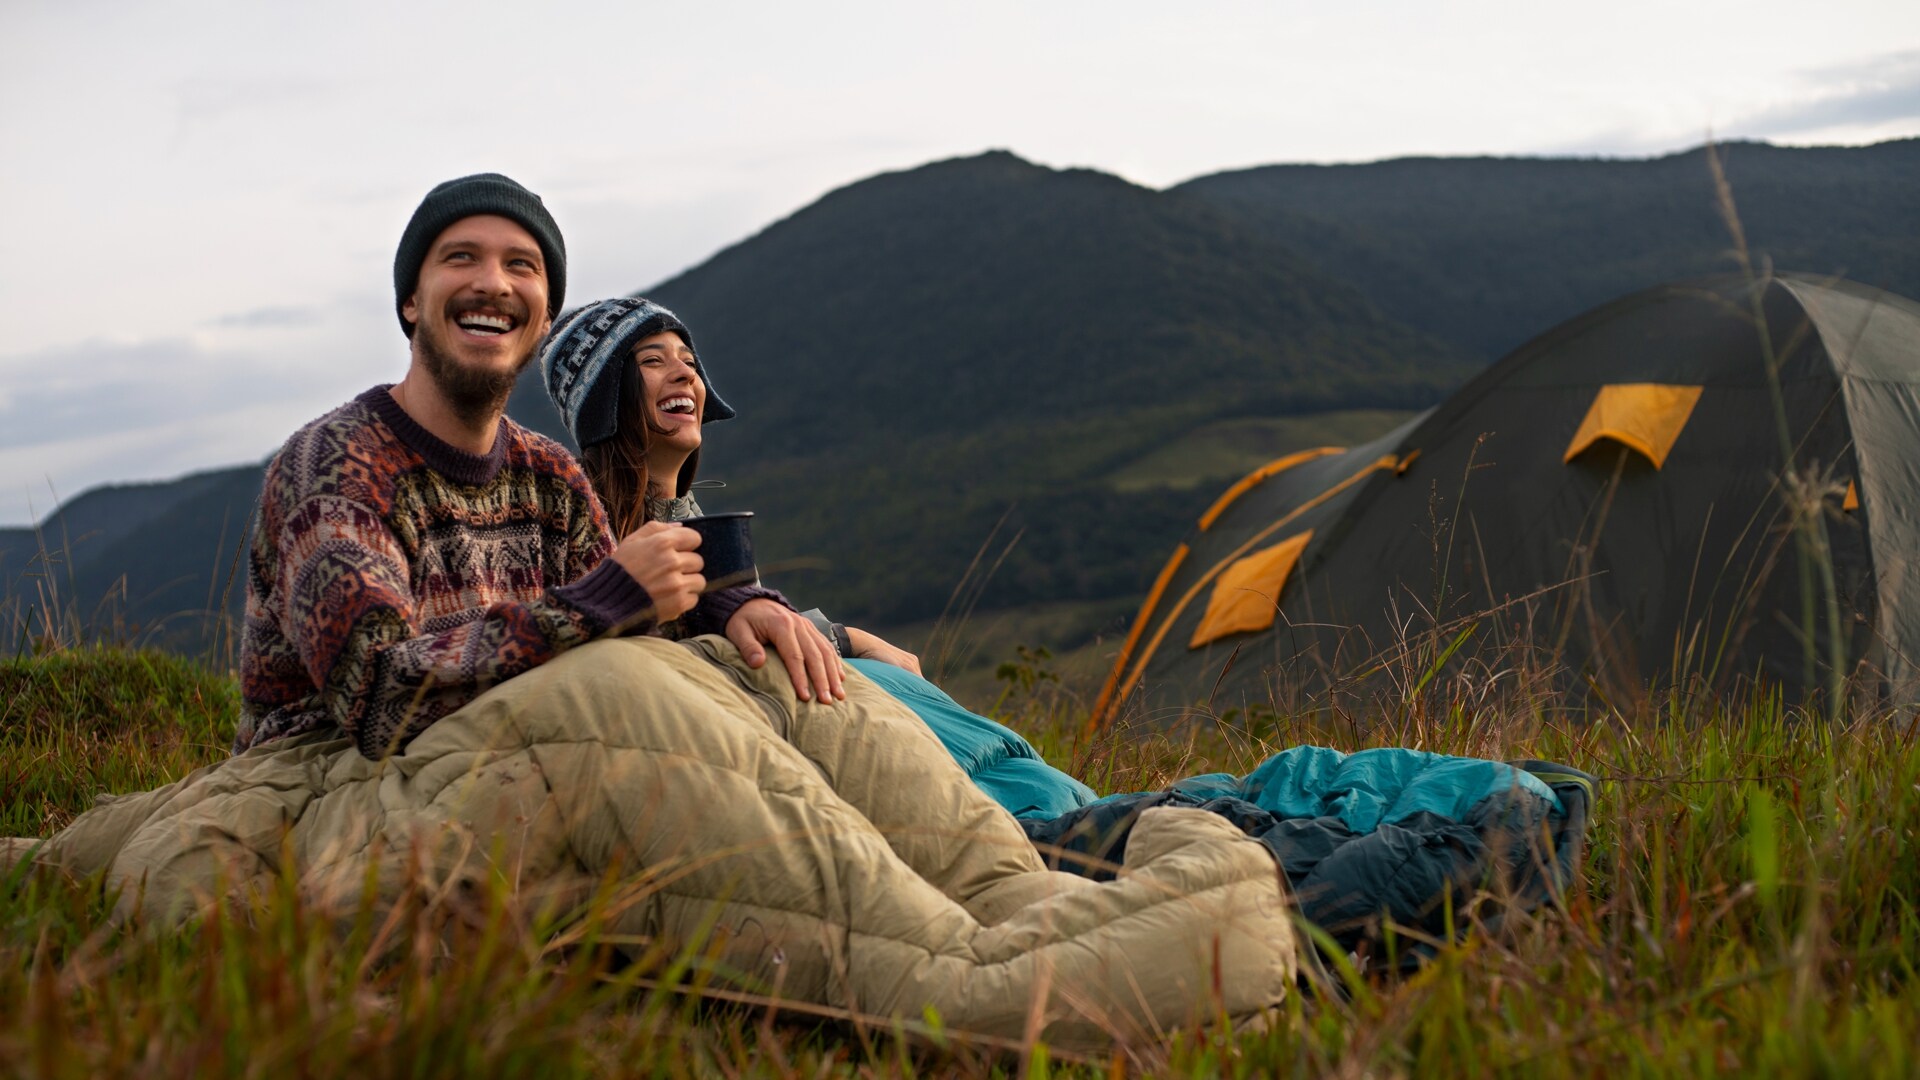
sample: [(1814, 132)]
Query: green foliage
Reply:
[(1029, 678), (1029, 671), (74, 724), (1747, 907)]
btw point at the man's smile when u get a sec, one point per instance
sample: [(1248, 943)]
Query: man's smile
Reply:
[(486, 322)]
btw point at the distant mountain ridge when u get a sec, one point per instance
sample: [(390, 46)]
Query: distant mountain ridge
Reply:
[(165, 556), (1486, 252), (923, 354)]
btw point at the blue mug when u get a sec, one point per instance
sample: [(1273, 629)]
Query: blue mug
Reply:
[(726, 548)]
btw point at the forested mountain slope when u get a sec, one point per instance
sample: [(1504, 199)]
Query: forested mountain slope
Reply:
[(1487, 252)]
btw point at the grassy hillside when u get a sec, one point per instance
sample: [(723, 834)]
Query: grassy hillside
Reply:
[(75, 723), (1216, 454), (1747, 908)]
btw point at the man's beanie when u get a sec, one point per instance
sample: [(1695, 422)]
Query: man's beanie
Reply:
[(581, 360), (481, 193)]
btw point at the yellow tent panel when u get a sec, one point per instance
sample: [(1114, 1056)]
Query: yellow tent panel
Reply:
[(1247, 597), (1122, 680), (1647, 417)]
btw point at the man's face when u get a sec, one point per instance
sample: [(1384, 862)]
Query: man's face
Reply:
[(479, 311), (673, 390)]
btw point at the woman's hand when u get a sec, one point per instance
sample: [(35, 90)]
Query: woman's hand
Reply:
[(812, 663), (659, 555), (870, 647)]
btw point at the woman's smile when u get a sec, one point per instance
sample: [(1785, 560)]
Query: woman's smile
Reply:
[(673, 386)]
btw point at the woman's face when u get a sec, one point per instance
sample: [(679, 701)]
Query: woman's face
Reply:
[(674, 390)]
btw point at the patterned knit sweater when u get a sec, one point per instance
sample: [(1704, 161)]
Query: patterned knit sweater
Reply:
[(394, 577)]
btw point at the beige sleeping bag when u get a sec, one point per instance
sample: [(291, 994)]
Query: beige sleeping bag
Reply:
[(837, 853)]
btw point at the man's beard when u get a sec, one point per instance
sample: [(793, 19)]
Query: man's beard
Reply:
[(475, 396)]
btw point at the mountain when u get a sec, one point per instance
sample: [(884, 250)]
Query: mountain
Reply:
[(988, 291), (920, 353), (152, 560), (985, 347), (1486, 252)]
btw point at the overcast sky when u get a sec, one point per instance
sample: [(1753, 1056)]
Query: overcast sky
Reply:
[(199, 202)]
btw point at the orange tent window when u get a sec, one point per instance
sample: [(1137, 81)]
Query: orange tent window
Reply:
[(1247, 596), (1647, 417), (1852, 501)]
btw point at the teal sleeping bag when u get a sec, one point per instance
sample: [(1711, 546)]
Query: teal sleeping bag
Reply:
[(1380, 836), (1003, 764)]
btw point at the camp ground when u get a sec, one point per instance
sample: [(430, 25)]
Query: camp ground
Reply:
[(1607, 502)]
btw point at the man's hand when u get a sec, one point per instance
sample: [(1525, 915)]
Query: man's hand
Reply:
[(871, 647), (659, 555), (811, 661)]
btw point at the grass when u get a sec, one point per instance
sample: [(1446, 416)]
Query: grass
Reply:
[(1748, 906), (77, 722), (1222, 451)]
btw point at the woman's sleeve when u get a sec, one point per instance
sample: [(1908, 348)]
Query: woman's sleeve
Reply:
[(717, 608)]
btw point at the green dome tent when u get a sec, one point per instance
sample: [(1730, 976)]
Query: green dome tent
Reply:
[(1608, 497)]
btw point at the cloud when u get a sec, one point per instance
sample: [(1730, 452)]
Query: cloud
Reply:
[(1874, 98), (94, 386), (269, 318), (1875, 91), (95, 411), (35, 479)]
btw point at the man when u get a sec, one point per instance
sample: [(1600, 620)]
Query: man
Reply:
[(415, 548)]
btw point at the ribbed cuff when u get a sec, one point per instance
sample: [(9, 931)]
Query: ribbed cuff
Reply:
[(609, 597), (717, 608)]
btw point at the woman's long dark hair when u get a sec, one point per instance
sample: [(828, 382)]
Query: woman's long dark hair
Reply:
[(617, 467)]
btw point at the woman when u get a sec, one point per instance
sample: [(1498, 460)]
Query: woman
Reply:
[(630, 386), (595, 376), (641, 450)]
